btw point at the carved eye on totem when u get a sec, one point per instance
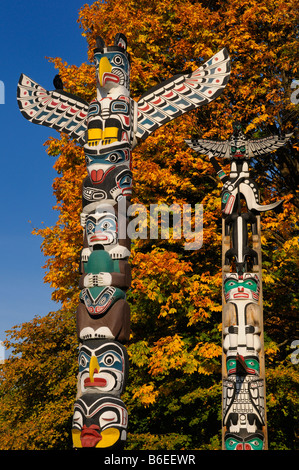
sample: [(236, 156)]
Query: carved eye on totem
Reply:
[(113, 157), (117, 60), (109, 360), (107, 417), (83, 361), (251, 363), (90, 228), (106, 225), (77, 420)]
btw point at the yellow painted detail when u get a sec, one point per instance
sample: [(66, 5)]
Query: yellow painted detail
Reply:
[(104, 67), (109, 135), (94, 136), (92, 366), (109, 437), (76, 433)]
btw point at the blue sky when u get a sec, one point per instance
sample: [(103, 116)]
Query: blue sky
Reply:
[(30, 31)]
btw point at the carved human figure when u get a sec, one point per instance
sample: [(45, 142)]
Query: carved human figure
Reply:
[(241, 314), (105, 227)]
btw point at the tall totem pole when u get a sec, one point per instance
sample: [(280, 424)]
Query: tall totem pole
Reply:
[(243, 369), (108, 129)]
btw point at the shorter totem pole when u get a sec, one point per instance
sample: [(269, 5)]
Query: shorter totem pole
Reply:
[(108, 129), (243, 381)]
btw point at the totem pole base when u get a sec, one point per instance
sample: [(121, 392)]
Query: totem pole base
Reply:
[(243, 369)]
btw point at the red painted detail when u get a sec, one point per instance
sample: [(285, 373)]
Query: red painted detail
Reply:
[(110, 77), (158, 101), (144, 108), (126, 120), (97, 175), (98, 237), (182, 88), (90, 436), (241, 295), (97, 382)]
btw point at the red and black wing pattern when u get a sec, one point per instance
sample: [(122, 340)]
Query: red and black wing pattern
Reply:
[(182, 93), (57, 109)]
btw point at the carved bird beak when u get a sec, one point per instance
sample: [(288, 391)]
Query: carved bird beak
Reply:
[(93, 367), (104, 68)]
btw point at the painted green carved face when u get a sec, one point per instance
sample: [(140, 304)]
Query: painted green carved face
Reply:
[(245, 288), (234, 442), (252, 365), (238, 150)]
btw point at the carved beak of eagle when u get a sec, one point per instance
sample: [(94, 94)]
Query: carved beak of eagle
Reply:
[(104, 72)]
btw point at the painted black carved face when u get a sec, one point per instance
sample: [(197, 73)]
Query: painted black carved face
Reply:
[(99, 421)]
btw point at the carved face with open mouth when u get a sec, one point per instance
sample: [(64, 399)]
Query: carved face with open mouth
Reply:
[(103, 367), (100, 165)]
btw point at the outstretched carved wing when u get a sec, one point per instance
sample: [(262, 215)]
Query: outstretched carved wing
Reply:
[(182, 93), (57, 109), (213, 148), (254, 147), (266, 145)]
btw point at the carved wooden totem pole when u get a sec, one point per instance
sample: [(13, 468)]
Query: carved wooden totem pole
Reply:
[(108, 128), (243, 384)]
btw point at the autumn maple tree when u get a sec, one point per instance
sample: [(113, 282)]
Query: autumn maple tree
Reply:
[(174, 390)]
